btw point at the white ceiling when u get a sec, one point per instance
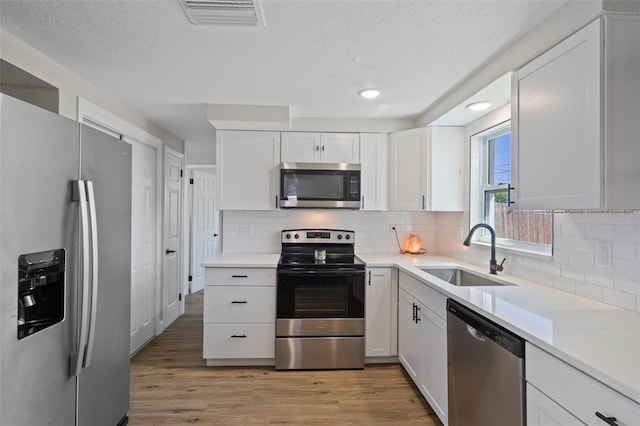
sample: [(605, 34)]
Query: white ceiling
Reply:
[(312, 55)]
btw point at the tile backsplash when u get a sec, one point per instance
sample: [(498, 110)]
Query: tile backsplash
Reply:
[(572, 268), (259, 231)]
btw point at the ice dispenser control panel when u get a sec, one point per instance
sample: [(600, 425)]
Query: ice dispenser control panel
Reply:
[(40, 291)]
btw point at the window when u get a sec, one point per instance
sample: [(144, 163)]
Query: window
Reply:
[(527, 230)]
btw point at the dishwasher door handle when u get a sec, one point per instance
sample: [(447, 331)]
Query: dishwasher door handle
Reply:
[(476, 334)]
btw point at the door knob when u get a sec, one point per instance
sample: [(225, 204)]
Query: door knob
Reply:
[(167, 251), (215, 235)]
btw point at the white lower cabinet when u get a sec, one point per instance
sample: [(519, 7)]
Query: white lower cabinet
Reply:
[(543, 411), (558, 393), (381, 313), (238, 341), (422, 340), (239, 316), (408, 335), (433, 372)]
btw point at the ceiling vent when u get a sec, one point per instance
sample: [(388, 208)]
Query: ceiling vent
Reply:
[(223, 12)]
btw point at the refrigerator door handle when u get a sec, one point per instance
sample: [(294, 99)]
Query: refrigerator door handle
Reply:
[(76, 363), (94, 273)]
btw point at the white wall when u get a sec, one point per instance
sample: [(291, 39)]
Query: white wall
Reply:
[(568, 19), (572, 267), (23, 56), (200, 152), (259, 231)]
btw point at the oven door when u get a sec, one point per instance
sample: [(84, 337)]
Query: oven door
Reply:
[(320, 319), (320, 294)]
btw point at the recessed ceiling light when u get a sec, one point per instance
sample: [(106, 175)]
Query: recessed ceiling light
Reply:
[(369, 93), (479, 106)]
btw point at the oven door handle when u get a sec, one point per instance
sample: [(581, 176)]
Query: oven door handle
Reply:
[(329, 272)]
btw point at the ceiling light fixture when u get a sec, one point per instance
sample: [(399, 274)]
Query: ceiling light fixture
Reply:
[(369, 93), (479, 106)]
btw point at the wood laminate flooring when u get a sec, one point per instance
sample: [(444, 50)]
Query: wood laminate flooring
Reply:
[(171, 385)]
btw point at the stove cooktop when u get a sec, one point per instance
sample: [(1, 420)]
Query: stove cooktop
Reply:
[(299, 250)]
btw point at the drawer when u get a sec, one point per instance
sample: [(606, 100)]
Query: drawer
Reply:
[(577, 392), (426, 295), (239, 304), (231, 341), (240, 276)]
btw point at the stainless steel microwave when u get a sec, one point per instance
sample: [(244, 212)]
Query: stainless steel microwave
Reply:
[(320, 185)]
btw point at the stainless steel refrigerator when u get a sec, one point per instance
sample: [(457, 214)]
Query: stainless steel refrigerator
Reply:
[(65, 249)]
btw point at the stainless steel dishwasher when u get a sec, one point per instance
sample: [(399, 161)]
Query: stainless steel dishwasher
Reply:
[(485, 371)]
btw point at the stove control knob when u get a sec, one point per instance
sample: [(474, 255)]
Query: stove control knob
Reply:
[(348, 237), (288, 236), (339, 236), (296, 236)]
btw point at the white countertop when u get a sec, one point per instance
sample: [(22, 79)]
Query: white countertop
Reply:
[(601, 340), (598, 339)]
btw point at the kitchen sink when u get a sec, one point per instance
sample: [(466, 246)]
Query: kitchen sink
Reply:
[(461, 277)]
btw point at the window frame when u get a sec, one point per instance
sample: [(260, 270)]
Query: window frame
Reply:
[(483, 169)]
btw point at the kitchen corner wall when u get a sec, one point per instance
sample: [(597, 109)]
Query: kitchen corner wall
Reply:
[(259, 231), (573, 266)]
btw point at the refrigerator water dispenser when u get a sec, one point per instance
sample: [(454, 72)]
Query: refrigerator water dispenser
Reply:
[(40, 291)]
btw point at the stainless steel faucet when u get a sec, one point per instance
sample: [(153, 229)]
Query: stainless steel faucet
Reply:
[(493, 265)]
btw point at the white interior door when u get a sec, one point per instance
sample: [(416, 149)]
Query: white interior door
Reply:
[(143, 245), (172, 258), (204, 225)]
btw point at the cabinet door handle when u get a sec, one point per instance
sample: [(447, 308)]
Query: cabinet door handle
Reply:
[(238, 336), (317, 147), (322, 148), (369, 277), (414, 312), (238, 301), (417, 314), (424, 204), (608, 420), (362, 206), (239, 276), (276, 201)]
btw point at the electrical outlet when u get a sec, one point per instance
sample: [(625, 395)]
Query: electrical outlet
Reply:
[(603, 254), (245, 230)]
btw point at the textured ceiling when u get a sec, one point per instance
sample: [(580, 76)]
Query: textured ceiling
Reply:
[(312, 55)]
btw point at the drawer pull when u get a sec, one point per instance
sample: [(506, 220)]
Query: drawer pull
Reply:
[(608, 420), (239, 276), (238, 301), (238, 336)]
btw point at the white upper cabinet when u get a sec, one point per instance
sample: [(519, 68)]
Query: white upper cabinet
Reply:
[(575, 121), (306, 147), (374, 160), (426, 169), (247, 167), (340, 147)]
